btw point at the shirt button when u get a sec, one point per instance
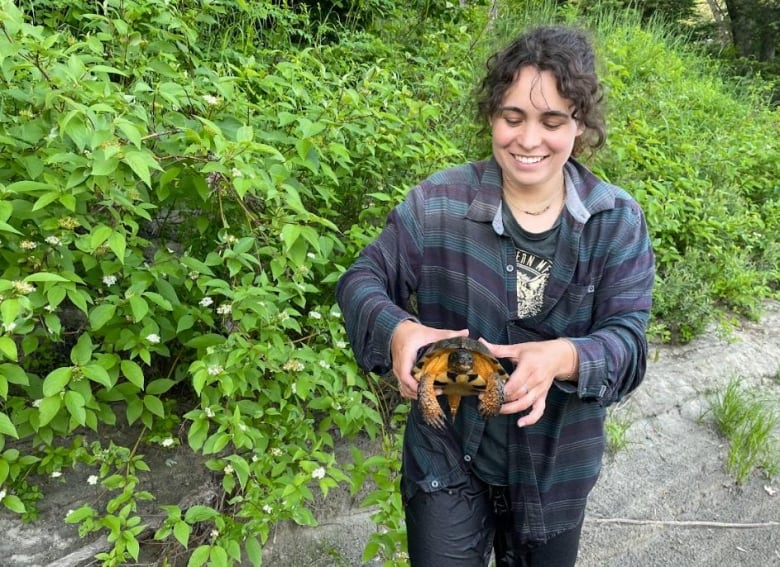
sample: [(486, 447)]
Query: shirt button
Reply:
[(434, 484), (467, 458), (510, 268)]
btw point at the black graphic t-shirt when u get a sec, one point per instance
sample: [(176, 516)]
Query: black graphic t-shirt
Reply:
[(533, 262)]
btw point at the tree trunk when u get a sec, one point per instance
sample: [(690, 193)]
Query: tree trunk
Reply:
[(724, 35), (754, 27)]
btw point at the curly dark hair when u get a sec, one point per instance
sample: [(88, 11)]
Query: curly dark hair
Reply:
[(565, 51)]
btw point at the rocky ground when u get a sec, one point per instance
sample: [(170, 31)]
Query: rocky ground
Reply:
[(664, 500)]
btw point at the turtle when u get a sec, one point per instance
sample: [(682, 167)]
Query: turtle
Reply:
[(458, 366)]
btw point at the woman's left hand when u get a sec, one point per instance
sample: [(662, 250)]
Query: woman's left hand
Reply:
[(536, 366)]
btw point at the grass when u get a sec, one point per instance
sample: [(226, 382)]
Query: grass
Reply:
[(749, 423), (616, 428)]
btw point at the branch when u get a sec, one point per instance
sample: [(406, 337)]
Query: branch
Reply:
[(683, 523)]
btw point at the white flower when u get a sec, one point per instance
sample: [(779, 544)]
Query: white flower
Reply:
[(211, 99), (315, 315), (2, 494), (237, 172), (167, 442), (214, 370), (325, 364), (341, 344), (214, 534), (23, 287), (267, 508), (153, 338), (276, 452), (28, 245), (318, 473), (206, 301), (193, 275), (109, 280), (53, 240), (255, 458), (37, 403), (228, 469), (209, 412), (56, 474), (93, 479), (293, 365), (225, 309)]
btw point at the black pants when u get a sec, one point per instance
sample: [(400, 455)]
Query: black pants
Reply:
[(459, 527)]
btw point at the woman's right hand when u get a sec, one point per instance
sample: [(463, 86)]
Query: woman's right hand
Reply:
[(408, 338)]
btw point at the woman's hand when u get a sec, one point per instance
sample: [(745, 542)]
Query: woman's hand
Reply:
[(408, 338), (537, 364)]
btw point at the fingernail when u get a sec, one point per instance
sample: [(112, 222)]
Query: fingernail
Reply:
[(520, 423)]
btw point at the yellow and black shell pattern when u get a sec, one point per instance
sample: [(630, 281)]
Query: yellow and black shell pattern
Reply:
[(458, 367)]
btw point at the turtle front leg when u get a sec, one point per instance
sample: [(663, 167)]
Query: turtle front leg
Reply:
[(429, 405), (492, 398)]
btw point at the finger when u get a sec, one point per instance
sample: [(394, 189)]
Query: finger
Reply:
[(535, 414), (500, 351), (408, 388)]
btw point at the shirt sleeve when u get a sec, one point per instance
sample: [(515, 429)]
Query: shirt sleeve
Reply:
[(374, 292), (613, 356)]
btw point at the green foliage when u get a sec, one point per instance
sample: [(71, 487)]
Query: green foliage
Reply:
[(749, 423)]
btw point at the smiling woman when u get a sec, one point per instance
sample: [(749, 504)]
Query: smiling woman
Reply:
[(551, 268)]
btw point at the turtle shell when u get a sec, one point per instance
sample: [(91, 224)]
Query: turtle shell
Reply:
[(458, 366)]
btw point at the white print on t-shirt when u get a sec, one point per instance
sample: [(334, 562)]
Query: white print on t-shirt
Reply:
[(532, 275)]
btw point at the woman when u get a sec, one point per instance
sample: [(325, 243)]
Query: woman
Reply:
[(552, 269)]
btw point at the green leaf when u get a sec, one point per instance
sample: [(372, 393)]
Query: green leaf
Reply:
[(101, 315), (154, 405), (75, 405), (14, 374), (79, 514), (7, 428), (199, 556), (254, 551), (133, 372), (218, 556), (141, 162), (56, 381), (139, 307), (5, 227), (9, 310), (14, 503), (98, 374), (118, 245), (81, 353), (184, 323), (182, 531), (8, 348), (103, 165), (197, 434), (205, 341), (45, 277), (28, 187), (79, 299), (45, 199), (160, 386), (48, 409), (200, 513), (99, 236), (130, 131)]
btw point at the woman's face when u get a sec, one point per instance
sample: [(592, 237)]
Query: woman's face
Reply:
[(534, 133)]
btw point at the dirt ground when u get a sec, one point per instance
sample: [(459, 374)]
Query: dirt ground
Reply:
[(664, 500)]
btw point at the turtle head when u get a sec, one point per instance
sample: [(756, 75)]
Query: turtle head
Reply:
[(460, 360)]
